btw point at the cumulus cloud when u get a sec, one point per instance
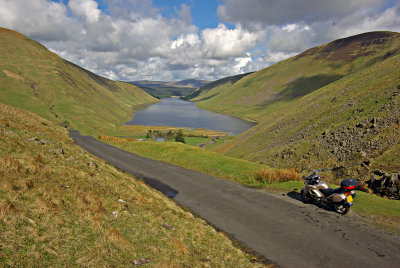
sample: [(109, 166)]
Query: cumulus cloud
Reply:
[(39, 19), (85, 8), (131, 40), (222, 42)]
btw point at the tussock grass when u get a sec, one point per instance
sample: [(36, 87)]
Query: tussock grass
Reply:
[(114, 139), (280, 175), (61, 207)]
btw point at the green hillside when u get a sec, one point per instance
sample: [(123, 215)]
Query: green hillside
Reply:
[(62, 207), (256, 95), (35, 79), (214, 86), (350, 126)]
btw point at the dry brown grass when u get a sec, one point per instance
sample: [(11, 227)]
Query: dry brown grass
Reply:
[(115, 139), (281, 175), (4, 122), (6, 207)]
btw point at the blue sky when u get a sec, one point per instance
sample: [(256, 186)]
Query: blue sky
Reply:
[(172, 40), (204, 13)]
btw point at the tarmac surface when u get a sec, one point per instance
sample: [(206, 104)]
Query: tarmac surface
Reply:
[(279, 227)]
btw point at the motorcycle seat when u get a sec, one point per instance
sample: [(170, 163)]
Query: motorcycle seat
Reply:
[(329, 191)]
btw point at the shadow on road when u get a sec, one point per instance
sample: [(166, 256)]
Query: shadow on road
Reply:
[(294, 195), (160, 186)]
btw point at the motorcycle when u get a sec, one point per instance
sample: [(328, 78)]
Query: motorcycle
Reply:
[(317, 190)]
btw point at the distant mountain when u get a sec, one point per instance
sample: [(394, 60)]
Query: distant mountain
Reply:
[(35, 79), (162, 89), (191, 83), (333, 107)]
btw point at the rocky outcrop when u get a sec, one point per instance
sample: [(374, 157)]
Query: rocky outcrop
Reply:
[(385, 184)]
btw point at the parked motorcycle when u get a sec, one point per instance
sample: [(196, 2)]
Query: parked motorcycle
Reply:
[(317, 190)]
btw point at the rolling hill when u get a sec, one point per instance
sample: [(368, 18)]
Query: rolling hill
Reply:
[(35, 79), (333, 107), (256, 95)]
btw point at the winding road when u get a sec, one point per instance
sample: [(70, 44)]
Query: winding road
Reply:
[(280, 228)]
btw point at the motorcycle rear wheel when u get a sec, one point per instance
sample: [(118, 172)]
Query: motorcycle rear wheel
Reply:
[(341, 208), (305, 195)]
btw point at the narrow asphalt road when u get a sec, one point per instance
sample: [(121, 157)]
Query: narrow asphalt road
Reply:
[(281, 228)]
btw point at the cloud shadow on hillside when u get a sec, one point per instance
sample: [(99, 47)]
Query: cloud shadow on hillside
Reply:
[(305, 85)]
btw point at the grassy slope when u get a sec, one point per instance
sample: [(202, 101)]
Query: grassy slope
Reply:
[(33, 78), (258, 94), (214, 86), (343, 124), (56, 208)]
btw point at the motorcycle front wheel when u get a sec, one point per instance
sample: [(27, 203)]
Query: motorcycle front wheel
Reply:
[(341, 208), (305, 195)]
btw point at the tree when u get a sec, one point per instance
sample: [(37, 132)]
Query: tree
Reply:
[(148, 135), (180, 137)]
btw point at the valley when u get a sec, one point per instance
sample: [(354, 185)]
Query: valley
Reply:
[(334, 107)]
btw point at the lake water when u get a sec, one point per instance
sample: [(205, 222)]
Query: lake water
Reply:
[(178, 113)]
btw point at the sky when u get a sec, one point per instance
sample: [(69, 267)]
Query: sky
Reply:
[(171, 40)]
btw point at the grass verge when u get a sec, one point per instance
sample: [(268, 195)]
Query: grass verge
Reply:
[(205, 161)]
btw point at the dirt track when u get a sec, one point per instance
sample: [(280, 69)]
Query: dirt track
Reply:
[(281, 228)]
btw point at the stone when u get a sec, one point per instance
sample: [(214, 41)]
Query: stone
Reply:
[(43, 142), (91, 164), (56, 151), (116, 214)]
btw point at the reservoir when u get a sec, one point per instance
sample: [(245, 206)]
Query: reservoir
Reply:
[(178, 113)]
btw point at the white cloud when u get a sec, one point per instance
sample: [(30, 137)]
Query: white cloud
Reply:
[(86, 8), (222, 42), (133, 41)]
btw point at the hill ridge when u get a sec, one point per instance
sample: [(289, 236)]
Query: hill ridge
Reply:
[(254, 96)]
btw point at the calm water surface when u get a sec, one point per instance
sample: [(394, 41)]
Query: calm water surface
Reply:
[(179, 113)]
